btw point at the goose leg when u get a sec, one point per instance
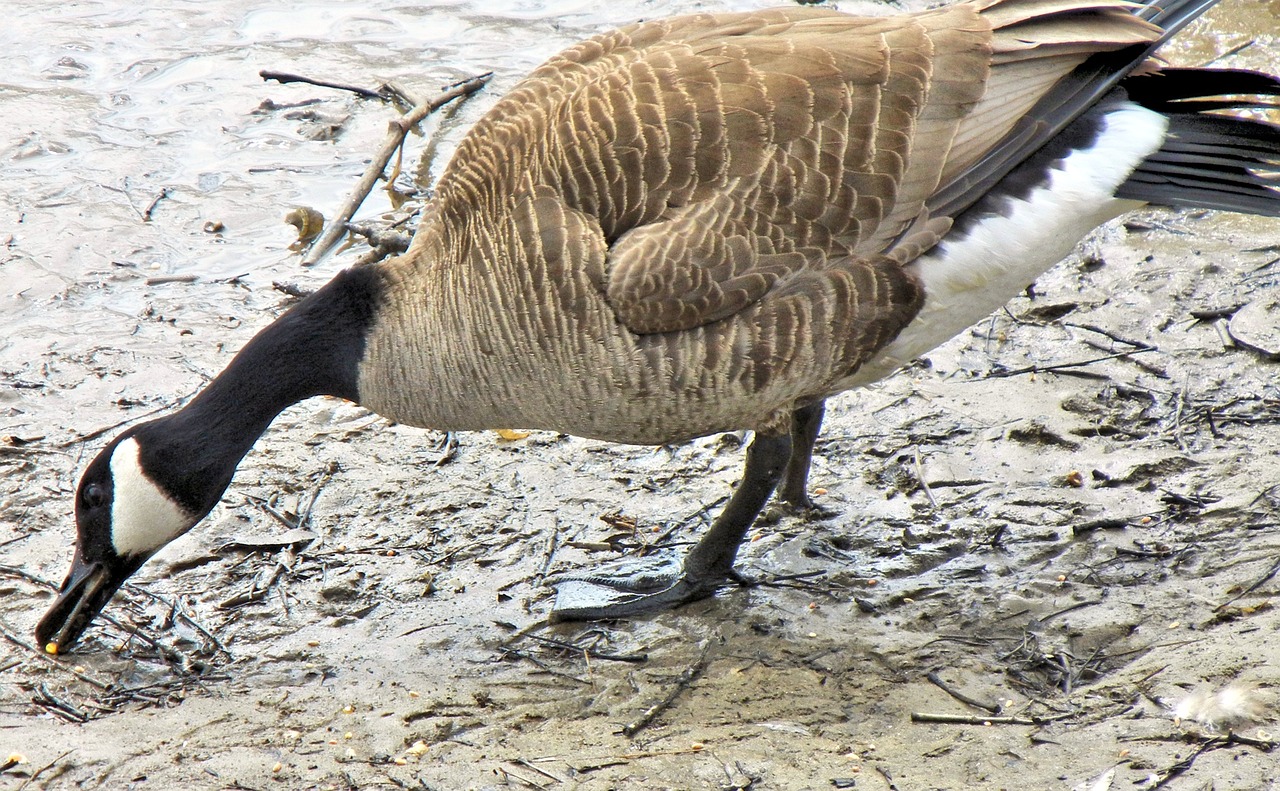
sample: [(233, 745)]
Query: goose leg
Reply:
[(662, 581), (806, 423)]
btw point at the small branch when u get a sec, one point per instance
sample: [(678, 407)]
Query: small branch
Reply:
[(397, 130), (13, 638), (637, 658), (1033, 369), (164, 193), (1271, 572), (285, 77), (160, 280), (960, 696), (686, 678), (924, 485), (391, 241), (43, 769), (58, 706), (965, 719)]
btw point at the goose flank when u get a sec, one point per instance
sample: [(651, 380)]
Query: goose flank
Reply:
[(713, 223)]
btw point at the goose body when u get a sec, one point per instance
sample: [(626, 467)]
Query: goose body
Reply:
[(713, 223)]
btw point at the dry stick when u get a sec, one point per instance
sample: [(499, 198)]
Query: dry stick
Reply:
[(507, 774), (960, 696), (543, 772), (1033, 369), (553, 543), (13, 638), (151, 207), (965, 719), (396, 132), (160, 280), (1178, 768), (283, 77), (888, 778), (176, 606), (43, 769), (64, 709), (686, 678), (591, 652), (1259, 582), (920, 475), (400, 93), (98, 432)]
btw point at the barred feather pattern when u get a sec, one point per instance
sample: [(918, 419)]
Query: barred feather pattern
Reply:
[(696, 224)]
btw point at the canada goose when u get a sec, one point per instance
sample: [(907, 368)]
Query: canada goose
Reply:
[(713, 223)]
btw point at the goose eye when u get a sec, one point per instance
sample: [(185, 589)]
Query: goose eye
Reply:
[(94, 496)]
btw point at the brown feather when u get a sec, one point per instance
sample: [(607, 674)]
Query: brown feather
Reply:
[(693, 224)]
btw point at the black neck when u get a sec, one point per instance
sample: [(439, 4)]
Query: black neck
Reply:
[(314, 349)]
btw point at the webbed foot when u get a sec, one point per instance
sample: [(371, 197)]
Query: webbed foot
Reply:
[(629, 587), (663, 581)]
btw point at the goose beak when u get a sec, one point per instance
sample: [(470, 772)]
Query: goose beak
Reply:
[(87, 589)]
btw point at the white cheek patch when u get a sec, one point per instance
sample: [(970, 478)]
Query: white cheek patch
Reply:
[(143, 517)]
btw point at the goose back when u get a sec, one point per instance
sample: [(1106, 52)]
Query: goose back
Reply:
[(692, 225)]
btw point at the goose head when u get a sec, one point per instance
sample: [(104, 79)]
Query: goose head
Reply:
[(158, 479), (139, 494)]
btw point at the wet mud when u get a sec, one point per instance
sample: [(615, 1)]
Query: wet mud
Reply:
[(1036, 543)]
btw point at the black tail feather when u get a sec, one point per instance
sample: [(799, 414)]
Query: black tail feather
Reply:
[(1210, 161), (1067, 101)]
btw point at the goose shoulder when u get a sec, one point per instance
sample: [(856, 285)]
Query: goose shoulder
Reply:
[(690, 223)]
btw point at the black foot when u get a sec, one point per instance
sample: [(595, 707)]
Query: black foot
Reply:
[(628, 587), (664, 581), (807, 509)]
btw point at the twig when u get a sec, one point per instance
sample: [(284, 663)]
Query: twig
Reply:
[(43, 769), (448, 451), (960, 696), (255, 592), (508, 775), (285, 77), (28, 576), (59, 706), (553, 542), (177, 607), (591, 652), (965, 719), (151, 207), (1069, 608), (666, 534), (1106, 523), (400, 94), (1181, 766), (391, 241), (509, 651), (290, 289), (13, 638), (1033, 369), (1212, 314), (915, 455), (1108, 334), (396, 132), (1271, 572), (98, 432), (160, 280), (888, 778), (1238, 48), (686, 678), (266, 508), (543, 772)]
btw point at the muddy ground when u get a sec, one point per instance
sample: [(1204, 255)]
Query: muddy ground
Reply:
[(1068, 515)]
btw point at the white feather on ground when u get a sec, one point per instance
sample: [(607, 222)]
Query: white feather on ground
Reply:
[(1237, 704)]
